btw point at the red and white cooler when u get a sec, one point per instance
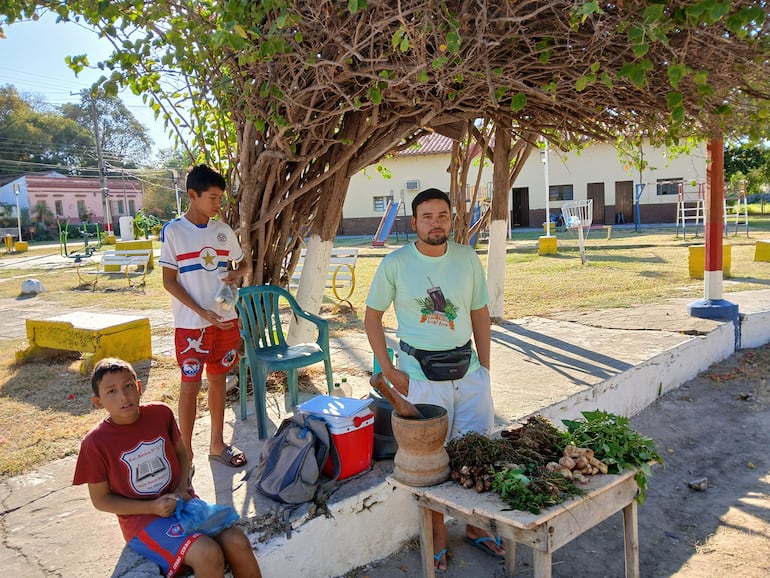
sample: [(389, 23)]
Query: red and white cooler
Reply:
[(351, 425)]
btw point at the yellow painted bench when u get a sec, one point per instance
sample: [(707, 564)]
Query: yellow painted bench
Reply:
[(137, 245), (114, 261), (100, 334), (341, 273), (762, 251), (697, 260)]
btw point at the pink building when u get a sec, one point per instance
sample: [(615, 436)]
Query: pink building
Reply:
[(76, 199)]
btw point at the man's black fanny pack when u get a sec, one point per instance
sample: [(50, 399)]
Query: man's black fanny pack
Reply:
[(441, 365)]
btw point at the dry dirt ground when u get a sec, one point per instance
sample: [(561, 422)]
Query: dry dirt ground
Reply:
[(716, 427)]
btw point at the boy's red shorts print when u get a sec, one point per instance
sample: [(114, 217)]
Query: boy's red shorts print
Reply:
[(211, 348)]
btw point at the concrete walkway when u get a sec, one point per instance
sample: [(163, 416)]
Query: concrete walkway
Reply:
[(617, 360)]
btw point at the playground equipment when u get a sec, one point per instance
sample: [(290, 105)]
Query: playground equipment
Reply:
[(144, 224), (386, 224), (480, 220), (578, 216), (88, 249), (738, 213), (690, 207)]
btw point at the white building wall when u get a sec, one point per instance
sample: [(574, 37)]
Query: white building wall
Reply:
[(600, 163), (597, 163), (431, 170)]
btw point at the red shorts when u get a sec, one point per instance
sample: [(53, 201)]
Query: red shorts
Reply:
[(213, 348)]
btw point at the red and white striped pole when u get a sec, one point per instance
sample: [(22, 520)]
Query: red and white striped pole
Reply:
[(712, 306), (715, 196)]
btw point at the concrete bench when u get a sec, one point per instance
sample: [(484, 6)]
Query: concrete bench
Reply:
[(101, 334), (341, 273), (762, 251), (121, 260)]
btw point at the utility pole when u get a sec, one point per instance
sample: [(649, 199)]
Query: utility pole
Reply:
[(100, 162), (176, 192)]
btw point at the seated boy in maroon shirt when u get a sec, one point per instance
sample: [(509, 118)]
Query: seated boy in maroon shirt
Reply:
[(137, 467)]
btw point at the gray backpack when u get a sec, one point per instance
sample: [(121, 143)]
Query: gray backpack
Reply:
[(290, 466)]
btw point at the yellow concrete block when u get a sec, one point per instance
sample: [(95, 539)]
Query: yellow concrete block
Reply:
[(102, 334), (547, 246), (135, 245), (551, 226), (108, 239), (761, 251), (21, 246), (697, 260)]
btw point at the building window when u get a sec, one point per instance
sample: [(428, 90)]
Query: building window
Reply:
[(131, 207), (669, 186), (82, 212), (59, 208), (381, 203), (120, 208), (560, 193)]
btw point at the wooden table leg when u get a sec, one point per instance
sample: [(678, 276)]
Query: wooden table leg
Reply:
[(631, 539), (542, 561), (426, 542), (510, 558)]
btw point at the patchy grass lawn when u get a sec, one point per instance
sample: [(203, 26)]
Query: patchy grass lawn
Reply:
[(45, 406)]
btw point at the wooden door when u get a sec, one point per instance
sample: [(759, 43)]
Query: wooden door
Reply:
[(520, 207), (624, 200), (596, 194)]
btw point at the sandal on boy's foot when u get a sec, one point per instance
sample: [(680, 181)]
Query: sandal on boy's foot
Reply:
[(437, 565), (231, 456), (480, 543)]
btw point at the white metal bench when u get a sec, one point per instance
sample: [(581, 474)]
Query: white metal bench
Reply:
[(121, 261), (341, 273)]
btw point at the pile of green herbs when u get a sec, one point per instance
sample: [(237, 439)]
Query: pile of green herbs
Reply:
[(616, 444), (514, 465)]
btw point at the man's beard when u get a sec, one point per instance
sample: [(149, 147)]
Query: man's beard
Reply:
[(436, 239)]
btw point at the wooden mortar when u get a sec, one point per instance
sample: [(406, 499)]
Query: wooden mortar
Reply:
[(420, 431)]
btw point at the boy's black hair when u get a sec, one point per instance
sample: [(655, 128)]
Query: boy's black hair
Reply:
[(427, 195), (109, 365), (202, 177)]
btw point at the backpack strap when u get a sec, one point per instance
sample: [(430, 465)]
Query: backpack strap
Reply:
[(321, 430), (334, 456)]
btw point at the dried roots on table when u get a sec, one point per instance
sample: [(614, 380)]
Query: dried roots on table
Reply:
[(534, 465), (514, 465)]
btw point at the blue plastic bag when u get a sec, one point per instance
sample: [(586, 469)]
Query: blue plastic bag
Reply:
[(195, 515)]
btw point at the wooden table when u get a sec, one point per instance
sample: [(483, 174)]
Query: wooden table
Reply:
[(544, 532)]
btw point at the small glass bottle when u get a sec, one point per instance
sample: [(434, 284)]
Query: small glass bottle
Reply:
[(342, 388)]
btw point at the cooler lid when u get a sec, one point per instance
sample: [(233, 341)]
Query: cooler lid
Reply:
[(328, 405)]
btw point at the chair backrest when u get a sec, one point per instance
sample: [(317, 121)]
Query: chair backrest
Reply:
[(259, 315)]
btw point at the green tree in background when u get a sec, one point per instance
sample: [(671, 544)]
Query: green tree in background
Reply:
[(37, 137), (33, 139), (125, 141)]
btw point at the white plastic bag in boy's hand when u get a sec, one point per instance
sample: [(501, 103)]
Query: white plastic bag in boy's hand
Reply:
[(225, 296)]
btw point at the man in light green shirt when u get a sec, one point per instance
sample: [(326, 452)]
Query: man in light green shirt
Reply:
[(439, 294)]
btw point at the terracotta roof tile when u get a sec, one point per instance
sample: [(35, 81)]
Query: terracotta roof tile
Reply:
[(431, 144)]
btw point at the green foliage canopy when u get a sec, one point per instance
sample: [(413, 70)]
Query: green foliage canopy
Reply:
[(297, 95)]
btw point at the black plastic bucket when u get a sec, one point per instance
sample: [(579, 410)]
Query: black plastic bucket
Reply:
[(385, 445)]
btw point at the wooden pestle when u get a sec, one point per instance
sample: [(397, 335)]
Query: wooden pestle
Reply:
[(403, 407)]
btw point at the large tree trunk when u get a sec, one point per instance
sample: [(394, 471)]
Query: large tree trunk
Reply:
[(498, 229)]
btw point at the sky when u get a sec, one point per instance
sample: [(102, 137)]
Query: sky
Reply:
[(32, 59)]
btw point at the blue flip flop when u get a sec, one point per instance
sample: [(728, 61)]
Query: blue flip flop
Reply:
[(438, 561), (480, 544)]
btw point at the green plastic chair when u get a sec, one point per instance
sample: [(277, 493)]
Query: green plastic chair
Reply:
[(266, 350)]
